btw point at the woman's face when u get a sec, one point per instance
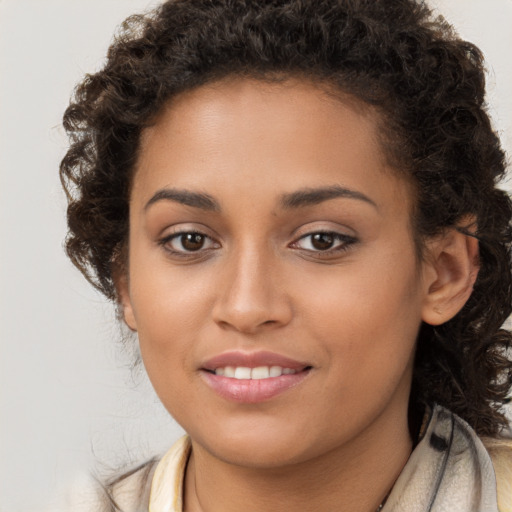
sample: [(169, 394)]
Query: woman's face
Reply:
[(273, 279)]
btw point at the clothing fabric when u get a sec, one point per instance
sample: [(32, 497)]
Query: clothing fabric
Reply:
[(450, 470)]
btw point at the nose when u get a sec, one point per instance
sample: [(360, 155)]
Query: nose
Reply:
[(252, 295)]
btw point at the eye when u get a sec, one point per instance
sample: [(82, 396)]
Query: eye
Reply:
[(324, 241), (188, 242)]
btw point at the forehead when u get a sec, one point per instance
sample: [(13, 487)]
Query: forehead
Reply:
[(253, 134), (236, 107)]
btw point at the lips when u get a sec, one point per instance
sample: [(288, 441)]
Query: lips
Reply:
[(253, 377), (259, 372)]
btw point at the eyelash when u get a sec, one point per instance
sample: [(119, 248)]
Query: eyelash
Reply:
[(342, 243), (166, 241)]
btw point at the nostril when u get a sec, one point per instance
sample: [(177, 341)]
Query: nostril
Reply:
[(247, 309)]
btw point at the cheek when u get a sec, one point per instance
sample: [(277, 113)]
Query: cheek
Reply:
[(365, 294), (163, 294), (169, 309), (366, 312), (167, 316)]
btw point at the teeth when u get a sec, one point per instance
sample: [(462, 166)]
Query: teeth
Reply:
[(242, 373), (258, 373), (261, 372), (229, 371), (275, 371)]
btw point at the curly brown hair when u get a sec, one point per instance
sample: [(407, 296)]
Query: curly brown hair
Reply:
[(427, 84)]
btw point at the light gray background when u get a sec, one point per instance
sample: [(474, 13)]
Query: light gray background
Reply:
[(68, 399)]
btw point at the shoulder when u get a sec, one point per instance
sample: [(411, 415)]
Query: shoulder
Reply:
[(158, 479), (130, 492), (500, 450), (155, 484)]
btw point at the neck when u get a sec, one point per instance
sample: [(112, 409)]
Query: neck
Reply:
[(354, 477)]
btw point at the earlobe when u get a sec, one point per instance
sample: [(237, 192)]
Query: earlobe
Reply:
[(123, 297), (452, 269)]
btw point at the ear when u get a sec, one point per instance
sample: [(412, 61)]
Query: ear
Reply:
[(451, 271), (122, 285)]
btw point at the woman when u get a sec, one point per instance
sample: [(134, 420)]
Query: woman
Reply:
[(294, 205)]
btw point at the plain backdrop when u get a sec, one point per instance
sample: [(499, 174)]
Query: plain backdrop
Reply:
[(69, 401)]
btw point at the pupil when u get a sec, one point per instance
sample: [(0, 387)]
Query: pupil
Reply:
[(192, 241), (322, 241)]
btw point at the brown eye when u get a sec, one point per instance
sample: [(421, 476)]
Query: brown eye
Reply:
[(326, 242), (322, 241), (192, 241), (188, 242)]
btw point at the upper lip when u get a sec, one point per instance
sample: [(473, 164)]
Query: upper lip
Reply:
[(252, 360)]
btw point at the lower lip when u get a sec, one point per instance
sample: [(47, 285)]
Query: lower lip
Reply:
[(252, 391)]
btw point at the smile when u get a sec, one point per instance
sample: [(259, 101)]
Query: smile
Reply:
[(252, 377), (260, 372)]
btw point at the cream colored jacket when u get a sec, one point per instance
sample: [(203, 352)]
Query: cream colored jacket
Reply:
[(450, 470)]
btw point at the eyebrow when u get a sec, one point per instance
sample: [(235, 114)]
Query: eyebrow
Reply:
[(186, 197), (298, 199), (313, 196)]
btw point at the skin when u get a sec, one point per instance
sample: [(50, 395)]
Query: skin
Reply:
[(351, 312)]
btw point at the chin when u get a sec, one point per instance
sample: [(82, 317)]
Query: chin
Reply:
[(260, 446)]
